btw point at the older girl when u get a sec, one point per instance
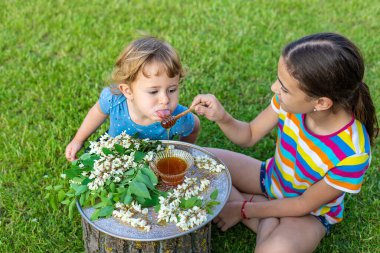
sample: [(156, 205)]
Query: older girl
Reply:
[(326, 123)]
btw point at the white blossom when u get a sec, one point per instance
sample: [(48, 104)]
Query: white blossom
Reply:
[(133, 215), (171, 211), (207, 163)]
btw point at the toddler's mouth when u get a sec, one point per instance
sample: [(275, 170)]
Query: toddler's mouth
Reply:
[(163, 113)]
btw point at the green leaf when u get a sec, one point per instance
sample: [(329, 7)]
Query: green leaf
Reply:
[(157, 208), (151, 202), (148, 172), (81, 189), (61, 195), (82, 199), (49, 187), (85, 156), (101, 204), (128, 199), (120, 149), (105, 211), (65, 202), (107, 151), (106, 200), (140, 177), (191, 202), (58, 187), (88, 199), (213, 203), (198, 202), (139, 189), (71, 173), (130, 172), (112, 187), (89, 162), (140, 200), (95, 215), (71, 209), (214, 194), (53, 203), (139, 156), (86, 181)]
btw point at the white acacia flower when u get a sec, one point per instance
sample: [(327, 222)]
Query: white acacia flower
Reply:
[(207, 163)]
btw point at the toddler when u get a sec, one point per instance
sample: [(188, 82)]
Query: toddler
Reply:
[(146, 86)]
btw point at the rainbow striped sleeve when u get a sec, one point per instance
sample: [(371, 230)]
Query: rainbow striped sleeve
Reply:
[(348, 174), (275, 104)]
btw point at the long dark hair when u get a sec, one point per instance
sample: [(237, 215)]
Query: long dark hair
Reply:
[(330, 65)]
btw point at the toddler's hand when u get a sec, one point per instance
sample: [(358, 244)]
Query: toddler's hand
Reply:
[(209, 106), (72, 149)]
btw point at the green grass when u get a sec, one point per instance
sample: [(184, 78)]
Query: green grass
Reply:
[(56, 55)]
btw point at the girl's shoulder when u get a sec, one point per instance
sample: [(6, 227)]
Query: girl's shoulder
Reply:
[(109, 99)]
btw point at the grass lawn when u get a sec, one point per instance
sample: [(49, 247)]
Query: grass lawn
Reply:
[(57, 55)]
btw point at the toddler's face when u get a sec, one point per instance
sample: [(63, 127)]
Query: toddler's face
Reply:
[(292, 98), (154, 95)]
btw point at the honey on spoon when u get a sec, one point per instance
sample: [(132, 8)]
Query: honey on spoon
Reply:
[(170, 120)]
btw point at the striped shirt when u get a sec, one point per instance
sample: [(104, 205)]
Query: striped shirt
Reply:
[(303, 158)]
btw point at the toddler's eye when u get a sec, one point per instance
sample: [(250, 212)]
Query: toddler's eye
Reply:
[(153, 92), (173, 90)]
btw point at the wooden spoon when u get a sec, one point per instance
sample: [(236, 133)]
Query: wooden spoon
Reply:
[(170, 120)]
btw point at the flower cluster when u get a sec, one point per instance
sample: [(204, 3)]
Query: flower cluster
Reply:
[(111, 166), (133, 215), (170, 210), (191, 218), (207, 163)]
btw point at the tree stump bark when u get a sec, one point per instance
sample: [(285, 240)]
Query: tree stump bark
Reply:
[(198, 241)]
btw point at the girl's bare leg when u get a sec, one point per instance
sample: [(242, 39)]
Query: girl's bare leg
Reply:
[(288, 234), (292, 234), (244, 170), (245, 174)]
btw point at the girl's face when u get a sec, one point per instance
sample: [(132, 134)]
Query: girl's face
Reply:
[(292, 98), (153, 96)]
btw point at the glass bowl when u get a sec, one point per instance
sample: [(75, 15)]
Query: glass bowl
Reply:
[(171, 165)]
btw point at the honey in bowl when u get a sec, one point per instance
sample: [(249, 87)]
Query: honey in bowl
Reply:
[(172, 165)]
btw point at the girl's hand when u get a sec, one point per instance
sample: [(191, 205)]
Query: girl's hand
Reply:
[(72, 149), (210, 107), (229, 216)]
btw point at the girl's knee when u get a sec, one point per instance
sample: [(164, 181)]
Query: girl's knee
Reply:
[(275, 244)]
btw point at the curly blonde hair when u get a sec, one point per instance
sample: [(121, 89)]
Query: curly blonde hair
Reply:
[(140, 53)]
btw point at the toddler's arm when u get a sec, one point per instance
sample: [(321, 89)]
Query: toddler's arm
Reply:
[(241, 133), (191, 138), (95, 117)]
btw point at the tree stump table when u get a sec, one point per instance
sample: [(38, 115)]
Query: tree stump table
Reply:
[(110, 235)]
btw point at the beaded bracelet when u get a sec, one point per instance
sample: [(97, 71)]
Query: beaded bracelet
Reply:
[(242, 211)]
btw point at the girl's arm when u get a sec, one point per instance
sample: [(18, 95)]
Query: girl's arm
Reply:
[(241, 133), (95, 117), (191, 138)]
